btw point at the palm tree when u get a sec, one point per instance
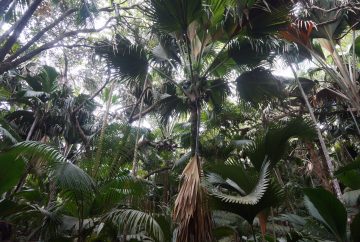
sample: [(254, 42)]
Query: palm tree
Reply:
[(199, 44)]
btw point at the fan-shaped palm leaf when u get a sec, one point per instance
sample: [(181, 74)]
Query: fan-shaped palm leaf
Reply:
[(234, 192), (174, 15), (273, 144), (130, 60), (67, 175), (259, 85)]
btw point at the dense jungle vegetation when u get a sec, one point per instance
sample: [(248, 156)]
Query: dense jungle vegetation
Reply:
[(179, 120)]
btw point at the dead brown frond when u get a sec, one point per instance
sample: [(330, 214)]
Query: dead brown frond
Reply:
[(191, 212)]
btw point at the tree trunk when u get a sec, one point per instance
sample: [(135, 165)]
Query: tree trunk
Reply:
[(318, 167), (102, 132), (328, 159), (194, 123)]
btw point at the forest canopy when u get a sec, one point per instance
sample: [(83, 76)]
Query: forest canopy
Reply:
[(180, 120)]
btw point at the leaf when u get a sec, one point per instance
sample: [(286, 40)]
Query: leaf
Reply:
[(350, 174), (182, 159), (67, 175), (12, 167), (259, 85), (45, 81), (174, 15), (136, 221), (273, 196), (251, 198), (190, 210), (129, 60), (273, 144), (326, 208), (5, 133)]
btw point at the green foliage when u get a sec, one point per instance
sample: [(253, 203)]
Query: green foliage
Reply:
[(67, 175), (240, 191), (350, 174), (135, 220), (324, 206), (273, 144), (12, 168), (174, 15), (357, 46), (259, 85), (130, 60), (235, 186)]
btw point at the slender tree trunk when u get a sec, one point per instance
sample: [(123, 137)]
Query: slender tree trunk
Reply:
[(318, 168), (102, 132), (33, 126), (328, 159), (135, 158), (194, 123)]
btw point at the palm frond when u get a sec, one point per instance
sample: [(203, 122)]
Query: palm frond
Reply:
[(5, 133), (215, 181), (274, 143), (129, 60), (44, 81), (136, 221), (174, 15), (67, 175), (190, 211), (259, 85), (272, 197)]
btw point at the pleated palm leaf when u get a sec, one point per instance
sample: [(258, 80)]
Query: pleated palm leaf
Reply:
[(273, 144), (66, 175), (245, 192), (251, 191)]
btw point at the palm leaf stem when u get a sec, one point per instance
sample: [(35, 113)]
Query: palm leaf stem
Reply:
[(33, 125), (171, 80), (355, 121), (207, 71), (328, 159), (102, 132), (135, 159)]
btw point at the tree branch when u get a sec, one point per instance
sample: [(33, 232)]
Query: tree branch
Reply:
[(20, 25), (41, 33), (157, 171), (5, 66)]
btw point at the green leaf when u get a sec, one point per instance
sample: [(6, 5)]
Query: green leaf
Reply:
[(326, 208), (259, 85), (350, 174), (174, 15), (215, 181), (245, 192), (273, 145), (12, 167), (136, 221), (67, 175), (129, 60)]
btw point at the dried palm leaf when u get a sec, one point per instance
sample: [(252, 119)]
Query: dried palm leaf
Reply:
[(191, 212)]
